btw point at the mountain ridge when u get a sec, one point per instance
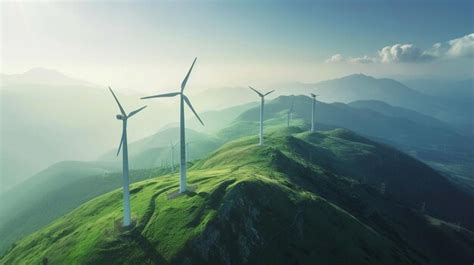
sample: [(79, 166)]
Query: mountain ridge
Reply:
[(42, 76), (322, 213)]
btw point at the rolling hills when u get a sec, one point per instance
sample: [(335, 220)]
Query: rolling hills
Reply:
[(82, 115), (300, 199), (39, 119), (399, 127), (427, 100), (424, 137)]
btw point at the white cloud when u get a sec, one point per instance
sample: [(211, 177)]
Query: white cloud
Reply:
[(365, 59), (408, 53), (456, 48), (462, 47), (336, 58), (404, 53)]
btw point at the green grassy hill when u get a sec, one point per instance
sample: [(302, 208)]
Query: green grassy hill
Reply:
[(300, 199), (56, 191), (66, 185), (215, 120), (400, 130), (432, 142)]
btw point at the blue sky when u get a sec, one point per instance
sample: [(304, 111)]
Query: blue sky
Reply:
[(137, 44)]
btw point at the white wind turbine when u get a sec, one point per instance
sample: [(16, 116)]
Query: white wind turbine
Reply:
[(262, 103), (172, 147), (312, 111), (182, 142), (188, 154), (123, 142)]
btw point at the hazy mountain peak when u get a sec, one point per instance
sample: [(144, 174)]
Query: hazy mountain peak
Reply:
[(40, 76), (41, 71), (358, 76)]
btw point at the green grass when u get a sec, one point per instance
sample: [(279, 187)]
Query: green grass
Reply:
[(55, 192), (292, 200)]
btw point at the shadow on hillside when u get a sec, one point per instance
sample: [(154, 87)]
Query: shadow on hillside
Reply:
[(151, 254)]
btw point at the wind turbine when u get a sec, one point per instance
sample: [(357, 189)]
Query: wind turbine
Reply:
[(262, 100), (172, 146), (123, 142), (290, 111), (182, 137), (312, 111), (188, 154)]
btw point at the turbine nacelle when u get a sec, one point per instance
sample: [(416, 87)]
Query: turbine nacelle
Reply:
[(123, 117)]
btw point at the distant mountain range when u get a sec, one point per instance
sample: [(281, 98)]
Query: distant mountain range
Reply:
[(362, 87), (67, 111), (41, 76), (454, 90), (457, 109)]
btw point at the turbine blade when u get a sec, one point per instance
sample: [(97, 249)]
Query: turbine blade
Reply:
[(191, 107), (135, 111), (118, 103), (313, 95), (260, 94), (167, 95), (269, 92), (121, 142), (185, 80)]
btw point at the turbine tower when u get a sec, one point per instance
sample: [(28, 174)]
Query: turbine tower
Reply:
[(262, 100), (123, 142), (172, 146), (188, 154), (290, 111), (312, 112), (182, 137)]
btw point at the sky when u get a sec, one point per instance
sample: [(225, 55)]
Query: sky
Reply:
[(137, 46)]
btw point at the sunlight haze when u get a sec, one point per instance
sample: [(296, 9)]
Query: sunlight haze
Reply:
[(147, 46)]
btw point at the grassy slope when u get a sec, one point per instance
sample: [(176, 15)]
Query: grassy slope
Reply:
[(46, 209), (55, 192), (69, 184), (256, 205), (442, 147)]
